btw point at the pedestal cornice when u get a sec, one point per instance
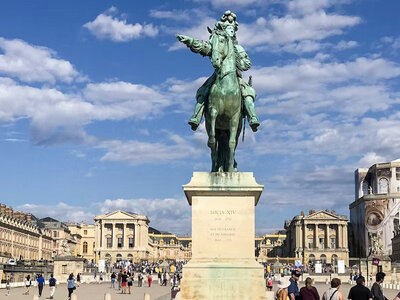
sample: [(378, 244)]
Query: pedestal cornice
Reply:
[(223, 184)]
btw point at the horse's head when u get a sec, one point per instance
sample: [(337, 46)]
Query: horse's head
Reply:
[(219, 44)]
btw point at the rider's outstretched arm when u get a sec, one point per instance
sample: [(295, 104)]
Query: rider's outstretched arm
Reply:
[(196, 46)]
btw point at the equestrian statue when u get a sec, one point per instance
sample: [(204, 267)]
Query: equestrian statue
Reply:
[(225, 98)]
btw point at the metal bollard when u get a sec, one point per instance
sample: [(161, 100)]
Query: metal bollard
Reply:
[(107, 296), (146, 297), (35, 297), (74, 297)]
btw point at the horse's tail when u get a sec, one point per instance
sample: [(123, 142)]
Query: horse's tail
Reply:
[(250, 83), (244, 128)]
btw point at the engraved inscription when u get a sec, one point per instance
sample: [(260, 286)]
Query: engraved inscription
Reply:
[(223, 229)]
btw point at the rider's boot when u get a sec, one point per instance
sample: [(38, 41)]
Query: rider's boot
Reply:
[(251, 113), (197, 115)]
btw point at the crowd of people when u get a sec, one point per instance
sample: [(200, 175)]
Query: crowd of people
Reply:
[(288, 289)]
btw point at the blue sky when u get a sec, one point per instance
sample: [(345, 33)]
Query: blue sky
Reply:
[(95, 96)]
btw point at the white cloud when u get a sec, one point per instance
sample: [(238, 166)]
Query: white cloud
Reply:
[(118, 30), (306, 74), (137, 152), (393, 41), (287, 29), (60, 211), (129, 99), (176, 15), (343, 45), (309, 6), (236, 3), (31, 63)]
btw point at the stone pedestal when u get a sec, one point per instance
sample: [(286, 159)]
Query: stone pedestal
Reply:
[(65, 265), (223, 262)]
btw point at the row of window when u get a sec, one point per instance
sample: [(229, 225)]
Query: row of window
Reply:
[(120, 242), (321, 243)]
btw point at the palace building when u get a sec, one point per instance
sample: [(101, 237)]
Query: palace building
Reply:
[(121, 236), (318, 236), (270, 246), (21, 238), (374, 214)]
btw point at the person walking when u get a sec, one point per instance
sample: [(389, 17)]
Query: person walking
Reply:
[(119, 279), (78, 279), (159, 278), (28, 284), (359, 291), (52, 285), (149, 279), (40, 282), (70, 285), (8, 286), (101, 277), (269, 284), (140, 279), (124, 279), (333, 292), (130, 282), (293, 288), (309, 292), (376, 290), (282, 292), (113, 276)]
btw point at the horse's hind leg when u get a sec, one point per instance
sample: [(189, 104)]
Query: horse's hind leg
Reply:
[(234, 123), (213, 113)]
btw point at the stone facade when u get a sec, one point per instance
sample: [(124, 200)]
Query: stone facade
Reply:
[(374, 214), (270, 246), (20, 238), (170, 247), (122, 236), (318, 236), (61, 235)]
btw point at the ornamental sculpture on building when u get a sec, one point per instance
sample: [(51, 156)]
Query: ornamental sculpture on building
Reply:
[(225, 98)]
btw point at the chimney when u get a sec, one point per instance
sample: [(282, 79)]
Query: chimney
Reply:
[(333, 212), (29, 218), (311, 211), (302, 213), (2, 208), (9, 211)]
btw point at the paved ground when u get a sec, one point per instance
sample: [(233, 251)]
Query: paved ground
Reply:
[(91, 291), (97, 291)]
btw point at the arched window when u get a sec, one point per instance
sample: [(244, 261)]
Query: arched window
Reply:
[(119, 257), (311, 258), (85, 247), (130, 257), (383, 185), (108, 256), (334, 259), (364, 188), (322, 258), (172, 242)]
